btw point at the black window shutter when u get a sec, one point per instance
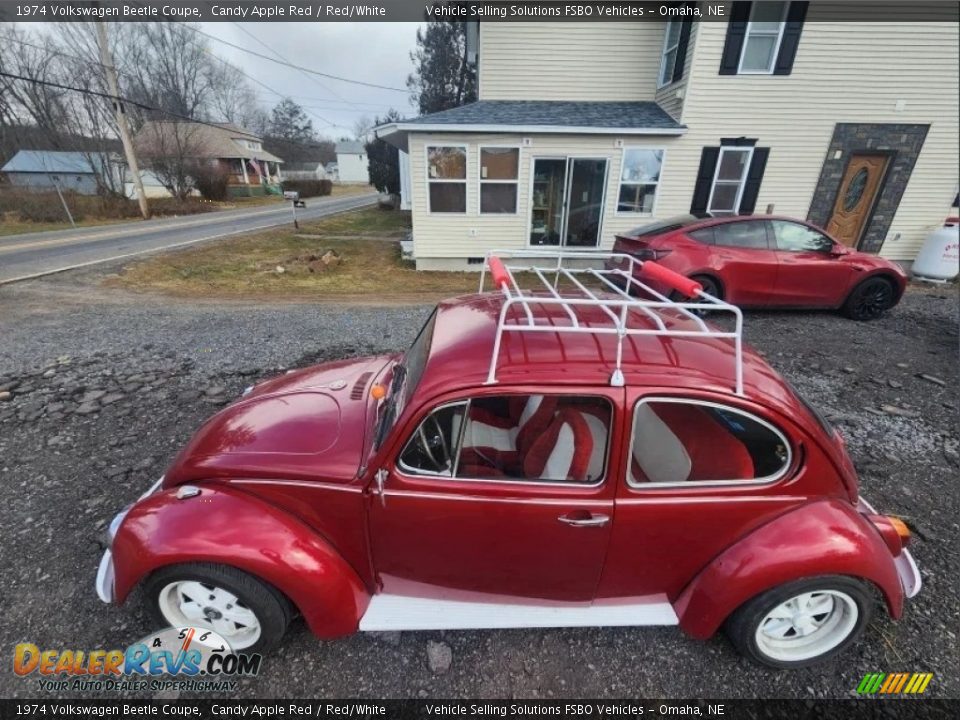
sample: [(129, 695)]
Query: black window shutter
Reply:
[(701, 191), (682, 43), (736, 32), (748, 200), (796, 14)]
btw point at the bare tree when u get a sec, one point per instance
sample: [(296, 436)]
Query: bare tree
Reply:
[(172, 151), (361, 127)]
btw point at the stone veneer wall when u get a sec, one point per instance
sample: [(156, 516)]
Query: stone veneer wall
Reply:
[(904, 141)]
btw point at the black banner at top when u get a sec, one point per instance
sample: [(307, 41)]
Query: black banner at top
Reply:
[(452, 10)]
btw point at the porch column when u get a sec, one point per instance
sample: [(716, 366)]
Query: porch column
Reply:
[(243, 166)]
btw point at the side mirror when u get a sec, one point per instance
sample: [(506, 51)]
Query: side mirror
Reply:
[(839, 250)]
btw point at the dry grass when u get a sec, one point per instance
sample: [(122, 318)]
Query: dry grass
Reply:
[(345, 190), (247, 267)]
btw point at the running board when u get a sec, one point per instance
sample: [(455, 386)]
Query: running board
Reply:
[(400, 612)]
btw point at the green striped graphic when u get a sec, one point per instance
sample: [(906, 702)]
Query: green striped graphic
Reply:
[(871, 683)]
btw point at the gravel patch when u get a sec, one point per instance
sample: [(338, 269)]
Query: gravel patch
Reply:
[(97, 393)]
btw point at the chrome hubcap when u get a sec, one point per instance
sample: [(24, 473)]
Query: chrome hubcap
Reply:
[(807, 625), (197, 604)]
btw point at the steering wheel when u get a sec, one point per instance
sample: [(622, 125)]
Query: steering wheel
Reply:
[(435, 441)]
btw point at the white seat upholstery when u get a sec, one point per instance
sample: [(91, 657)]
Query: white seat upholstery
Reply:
[(659, 453)]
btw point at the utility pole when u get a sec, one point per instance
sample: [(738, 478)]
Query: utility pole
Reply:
[(111, 72)]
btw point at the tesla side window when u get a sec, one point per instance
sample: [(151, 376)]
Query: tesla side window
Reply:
[(794, 237), (747, 234), (703, 235), (686, 441)]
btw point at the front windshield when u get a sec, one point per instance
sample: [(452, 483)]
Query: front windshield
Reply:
[(415, 359), (406, 376)]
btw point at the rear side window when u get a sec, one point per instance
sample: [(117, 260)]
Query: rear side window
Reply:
[(703, 235), (675, 442), (750, 235)]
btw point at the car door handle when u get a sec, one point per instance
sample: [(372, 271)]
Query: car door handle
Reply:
[(592, 520)]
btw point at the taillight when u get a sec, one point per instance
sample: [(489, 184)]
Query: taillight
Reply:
[(650, 254), (893, 530)]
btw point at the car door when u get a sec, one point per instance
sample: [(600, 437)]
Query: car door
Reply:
[(462, 522), (700, 473), (743, 258), (810, 274)]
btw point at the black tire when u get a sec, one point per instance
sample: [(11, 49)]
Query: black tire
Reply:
[(870, 299), (269, 605), (742, 627)]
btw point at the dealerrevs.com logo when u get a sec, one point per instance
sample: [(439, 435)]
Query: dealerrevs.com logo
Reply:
[(186, 659)]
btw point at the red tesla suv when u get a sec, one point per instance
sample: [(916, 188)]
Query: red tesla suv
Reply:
[(768, 261)]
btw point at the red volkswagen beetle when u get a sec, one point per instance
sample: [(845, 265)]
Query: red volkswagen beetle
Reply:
[(535, 459), (766, 261)]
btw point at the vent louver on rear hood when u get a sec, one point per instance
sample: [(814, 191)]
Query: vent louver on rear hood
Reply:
[(356, 392)]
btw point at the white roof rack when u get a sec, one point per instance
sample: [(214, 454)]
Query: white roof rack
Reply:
[(552, 266)]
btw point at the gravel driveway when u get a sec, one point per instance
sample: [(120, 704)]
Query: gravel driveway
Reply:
[(106, 386)]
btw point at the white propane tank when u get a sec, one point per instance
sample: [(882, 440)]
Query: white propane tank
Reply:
[(939, 258)]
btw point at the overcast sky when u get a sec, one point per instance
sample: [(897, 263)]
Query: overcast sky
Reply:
[(372, 52)]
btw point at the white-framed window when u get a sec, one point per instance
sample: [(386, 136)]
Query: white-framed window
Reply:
[(447, 178), (499, 177), (639, 180), (764, 34), (668, 60), (729, 180), (679, 441)]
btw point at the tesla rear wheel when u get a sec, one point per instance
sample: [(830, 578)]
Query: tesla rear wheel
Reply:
[(870, 299), (709, 285), (803, 622), (249, 614)]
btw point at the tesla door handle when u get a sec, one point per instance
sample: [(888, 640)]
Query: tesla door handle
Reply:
[(585, 521)]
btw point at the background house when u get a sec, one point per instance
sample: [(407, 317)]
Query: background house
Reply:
[(225, 147), (353, 165), (304, 171), (49, 169), (590, 129), (332, 171)]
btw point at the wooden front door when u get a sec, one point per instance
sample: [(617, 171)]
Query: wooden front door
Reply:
[(859, 188)]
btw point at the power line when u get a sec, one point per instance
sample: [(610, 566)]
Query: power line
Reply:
[(292, 65), (309, 77), (54, 52), (138, 104)]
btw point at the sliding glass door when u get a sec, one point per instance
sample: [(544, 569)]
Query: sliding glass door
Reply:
[(567, 201)]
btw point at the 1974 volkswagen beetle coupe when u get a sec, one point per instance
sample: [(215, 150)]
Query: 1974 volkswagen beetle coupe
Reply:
[(537, 458)]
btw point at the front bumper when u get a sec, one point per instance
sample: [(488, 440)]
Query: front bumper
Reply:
[(105, 572), (906, 566)]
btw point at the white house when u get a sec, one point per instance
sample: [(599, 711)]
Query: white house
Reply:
[(353, 165), (585, 130)]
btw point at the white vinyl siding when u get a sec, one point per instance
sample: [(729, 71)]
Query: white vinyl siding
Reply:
[(844, 72), (471, 234), (569, 60)]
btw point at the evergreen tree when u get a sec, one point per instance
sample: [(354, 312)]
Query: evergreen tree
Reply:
[(384, 159), (290, 122), (442, 77)]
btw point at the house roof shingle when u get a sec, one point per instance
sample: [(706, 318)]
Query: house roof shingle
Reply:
[(610, 115), (212, 142)]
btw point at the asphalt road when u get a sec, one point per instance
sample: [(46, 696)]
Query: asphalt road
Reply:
[(36, 254), (106, 386)]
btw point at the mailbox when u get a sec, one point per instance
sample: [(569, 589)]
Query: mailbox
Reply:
[(291, 195)]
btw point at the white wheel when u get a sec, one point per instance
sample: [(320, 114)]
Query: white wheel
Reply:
[(189, 602), (807, 625)]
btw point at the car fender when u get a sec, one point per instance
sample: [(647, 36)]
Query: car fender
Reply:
[(228, 526), (824, 537)]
